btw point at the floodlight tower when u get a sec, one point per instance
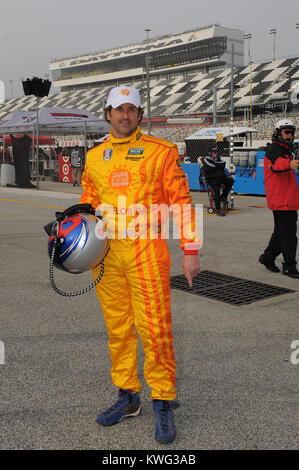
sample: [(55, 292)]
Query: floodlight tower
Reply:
[(273, 31), (249, 37), (39, 88)]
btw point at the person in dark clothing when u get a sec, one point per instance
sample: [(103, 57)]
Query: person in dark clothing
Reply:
[(77, 166), (282, 193), (21, 148), (214, 169)]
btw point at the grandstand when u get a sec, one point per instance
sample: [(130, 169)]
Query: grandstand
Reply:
[(183, 91), (202, 50)]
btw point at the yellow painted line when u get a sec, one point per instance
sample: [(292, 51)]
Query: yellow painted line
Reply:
[(66, 192), (31, 203), (230, 212), (62, 208), (250, 195), (206, 207)]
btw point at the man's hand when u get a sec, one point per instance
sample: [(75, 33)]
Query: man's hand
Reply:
[(191, 267), (294, 164)]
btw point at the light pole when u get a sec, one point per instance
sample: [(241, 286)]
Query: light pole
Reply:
[(147, 65), (231, 138), (248, 36), (147, 30), (39, 88), (11, 88), (274, 31), (250, 122), (215, 106)]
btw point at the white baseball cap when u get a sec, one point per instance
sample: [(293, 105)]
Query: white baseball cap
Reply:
[(123, 94)]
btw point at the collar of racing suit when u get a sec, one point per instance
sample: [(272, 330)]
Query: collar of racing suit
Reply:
[(137, 134)]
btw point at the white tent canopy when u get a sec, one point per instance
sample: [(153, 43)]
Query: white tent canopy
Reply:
[(17, 118), (55, 121), (210, 133)]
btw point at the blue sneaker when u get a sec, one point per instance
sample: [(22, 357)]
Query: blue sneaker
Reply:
[(165, 428), (128, 404)]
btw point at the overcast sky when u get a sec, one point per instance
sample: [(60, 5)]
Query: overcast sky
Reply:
[(32, 32)]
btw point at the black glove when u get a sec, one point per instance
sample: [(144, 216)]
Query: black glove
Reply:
[(75, 209)]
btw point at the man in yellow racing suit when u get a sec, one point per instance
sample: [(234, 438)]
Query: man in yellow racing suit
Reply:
[(132, 179)]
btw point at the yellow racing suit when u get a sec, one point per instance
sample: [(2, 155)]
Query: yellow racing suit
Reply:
[(124, 179)]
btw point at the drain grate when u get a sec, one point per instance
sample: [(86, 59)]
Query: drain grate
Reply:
[(228, 289)]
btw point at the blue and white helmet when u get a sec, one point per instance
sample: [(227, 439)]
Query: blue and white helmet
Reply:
[(81, 243)]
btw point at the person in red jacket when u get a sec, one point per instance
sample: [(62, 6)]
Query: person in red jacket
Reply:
[(282, 193)]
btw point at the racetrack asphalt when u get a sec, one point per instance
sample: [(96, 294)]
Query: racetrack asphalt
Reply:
[(236, 384)]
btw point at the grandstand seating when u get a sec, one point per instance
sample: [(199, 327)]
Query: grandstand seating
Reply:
[(187, 95)]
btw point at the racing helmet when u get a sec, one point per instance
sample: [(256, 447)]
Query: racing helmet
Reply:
[(283, 124), (81, 243)]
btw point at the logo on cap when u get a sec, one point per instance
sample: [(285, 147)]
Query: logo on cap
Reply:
[(125, 91)]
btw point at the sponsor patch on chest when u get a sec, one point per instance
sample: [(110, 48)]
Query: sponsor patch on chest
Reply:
[(107, 154), (136, 151)]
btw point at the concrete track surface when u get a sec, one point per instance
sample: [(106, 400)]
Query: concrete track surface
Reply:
[(236, 383)]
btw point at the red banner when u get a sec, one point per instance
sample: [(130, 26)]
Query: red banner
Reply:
[(65, 171)]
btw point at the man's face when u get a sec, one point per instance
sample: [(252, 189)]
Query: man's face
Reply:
[(124, 120), (287, 135), (214, 154)]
